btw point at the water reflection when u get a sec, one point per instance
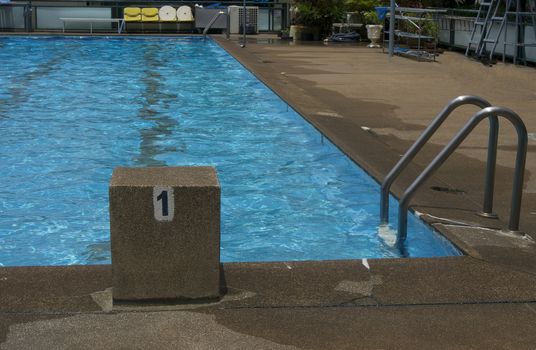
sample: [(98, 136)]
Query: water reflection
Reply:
[(19, 93), (97, 253), (154, 109)]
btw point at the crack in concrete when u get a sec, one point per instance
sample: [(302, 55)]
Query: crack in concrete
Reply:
[(531, 308), (360, 287), (340, 305)]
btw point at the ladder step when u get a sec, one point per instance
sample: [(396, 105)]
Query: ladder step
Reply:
[(520, 13), (485, 4), (488, 40), (498, 19), (522, 44), (480, 23)]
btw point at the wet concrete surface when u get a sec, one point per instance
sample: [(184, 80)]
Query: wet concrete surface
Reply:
[(374, 108), (457, 302), (483, 300)]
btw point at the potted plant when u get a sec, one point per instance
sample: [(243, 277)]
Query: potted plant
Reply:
[(374, 28), (366, 10), (284, 34)]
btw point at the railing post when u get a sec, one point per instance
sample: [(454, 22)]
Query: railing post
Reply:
[(244, 25), (489, 185), (517, 186)]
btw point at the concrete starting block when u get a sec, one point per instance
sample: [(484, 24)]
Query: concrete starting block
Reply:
[(165, 233)]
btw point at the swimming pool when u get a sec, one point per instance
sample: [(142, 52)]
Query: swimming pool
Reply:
[(72, 109)]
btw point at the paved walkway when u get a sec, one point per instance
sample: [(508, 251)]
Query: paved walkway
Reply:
[(484, 300)]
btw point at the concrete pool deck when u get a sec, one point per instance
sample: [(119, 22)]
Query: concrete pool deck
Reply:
[(486, 299)]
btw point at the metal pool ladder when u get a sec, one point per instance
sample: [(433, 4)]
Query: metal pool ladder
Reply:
[(486, 111), (211, 22)]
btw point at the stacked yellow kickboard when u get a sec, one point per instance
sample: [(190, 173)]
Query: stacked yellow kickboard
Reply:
[(149, 14), (132, 14), (153, 14)]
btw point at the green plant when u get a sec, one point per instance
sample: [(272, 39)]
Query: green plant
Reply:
[(362, 6), (284, 34), (371, 17), (427, 25), (319, 13), (430, 27), (365, 9), (437, 3)]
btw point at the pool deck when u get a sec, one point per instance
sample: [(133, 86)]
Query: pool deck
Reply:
[(372, 109)]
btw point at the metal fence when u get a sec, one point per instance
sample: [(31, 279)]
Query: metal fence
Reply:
[(35, 16)]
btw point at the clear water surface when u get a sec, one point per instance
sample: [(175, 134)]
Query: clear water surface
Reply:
[(72, 109)]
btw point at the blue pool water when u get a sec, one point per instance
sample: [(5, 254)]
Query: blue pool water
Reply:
[(73, 109)]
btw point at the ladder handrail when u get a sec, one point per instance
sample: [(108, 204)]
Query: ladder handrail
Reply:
[(517, 44), (473, 31), (517, 187), (426, 135), (500, 11), (499, 31), (489, 26), (211, 22), (486, 23)]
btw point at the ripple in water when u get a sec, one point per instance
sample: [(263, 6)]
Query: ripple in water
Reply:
[(74, 109)]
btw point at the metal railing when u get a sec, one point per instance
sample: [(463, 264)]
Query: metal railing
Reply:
[(25, 16), (492, 113), (211, 22), (426, 135)]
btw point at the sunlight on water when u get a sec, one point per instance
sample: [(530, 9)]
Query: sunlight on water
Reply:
[(73, 109)]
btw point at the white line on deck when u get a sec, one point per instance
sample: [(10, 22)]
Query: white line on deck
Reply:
[(365, 263)]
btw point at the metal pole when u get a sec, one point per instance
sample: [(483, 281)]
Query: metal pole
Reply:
[(517, 186), (26, 16), (392, 29), (228, 30), (244, 27), (522, 53), (491, 164)]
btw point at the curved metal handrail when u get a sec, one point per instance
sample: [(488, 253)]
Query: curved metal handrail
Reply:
[(211, 22), (426, 135), (517, 187)]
